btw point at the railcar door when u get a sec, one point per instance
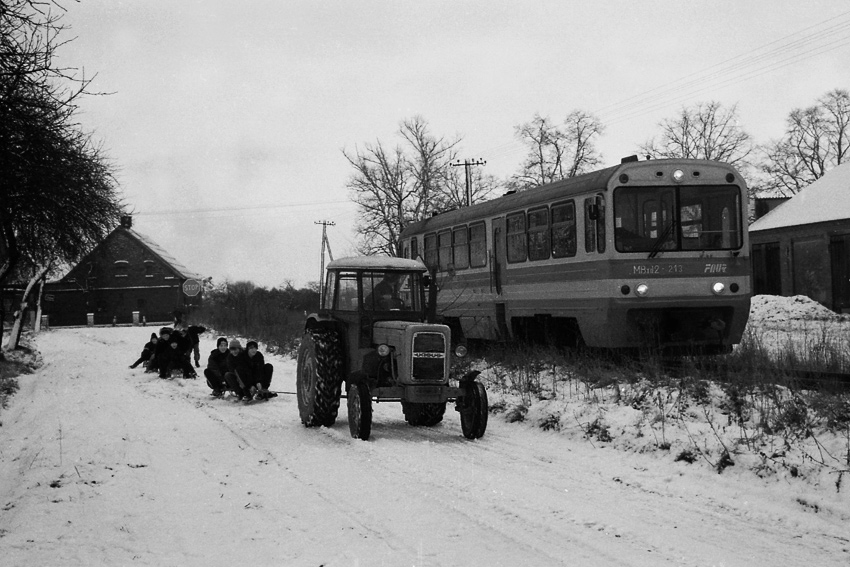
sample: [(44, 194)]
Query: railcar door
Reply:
[(497, 259)]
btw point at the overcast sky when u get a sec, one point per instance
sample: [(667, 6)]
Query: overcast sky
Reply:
[(247, 106)]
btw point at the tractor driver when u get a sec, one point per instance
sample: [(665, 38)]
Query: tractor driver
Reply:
[(384, 296)]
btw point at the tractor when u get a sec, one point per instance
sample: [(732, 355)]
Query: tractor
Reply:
[(370, 336)]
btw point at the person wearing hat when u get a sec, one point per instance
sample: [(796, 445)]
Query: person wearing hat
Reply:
[(147, 351), (162, 354), (217, 368), (173, 354), (238, 372), (260, 372)]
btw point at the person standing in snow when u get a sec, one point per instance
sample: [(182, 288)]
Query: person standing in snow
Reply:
[(238, 372), (259, 372), (192, 331), (147, 352), (217, 368)]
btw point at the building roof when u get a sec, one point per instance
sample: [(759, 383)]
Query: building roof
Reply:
[(181, 270), (827, 199)]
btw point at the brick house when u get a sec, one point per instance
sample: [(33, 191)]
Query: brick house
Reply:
[(125, 273), (802, 247)]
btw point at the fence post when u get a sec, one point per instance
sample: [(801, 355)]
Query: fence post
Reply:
[(90, 319)]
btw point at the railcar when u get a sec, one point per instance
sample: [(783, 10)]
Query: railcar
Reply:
[(643, 254)]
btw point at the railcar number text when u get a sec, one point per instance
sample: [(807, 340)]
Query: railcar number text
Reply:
[(644, 269)]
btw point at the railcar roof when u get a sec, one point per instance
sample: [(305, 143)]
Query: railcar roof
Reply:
[(588, 182), (376, 263)]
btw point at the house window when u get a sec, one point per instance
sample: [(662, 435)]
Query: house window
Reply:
[(120, 267), (149, 265)]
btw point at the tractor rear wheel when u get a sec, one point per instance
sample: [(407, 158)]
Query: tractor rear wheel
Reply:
[(319, 377), (360, 411)]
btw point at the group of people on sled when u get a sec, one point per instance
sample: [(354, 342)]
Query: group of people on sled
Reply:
[(230, 368)]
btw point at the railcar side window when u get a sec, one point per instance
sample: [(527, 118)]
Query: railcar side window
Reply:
[(431, 251), (516, 237), (444, 245), (477, 245), (538, 234), (589, 227), (564, 230), (460, 238), (600, 223)]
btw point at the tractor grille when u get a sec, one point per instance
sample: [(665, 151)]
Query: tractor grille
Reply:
[(429, 356)]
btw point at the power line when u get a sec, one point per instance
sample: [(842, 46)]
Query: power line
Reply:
[(793, 48), (237, 209)]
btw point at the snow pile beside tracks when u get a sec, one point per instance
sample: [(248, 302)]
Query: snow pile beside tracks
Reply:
[(773, 309)]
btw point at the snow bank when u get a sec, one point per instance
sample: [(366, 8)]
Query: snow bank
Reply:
[(775, 309)]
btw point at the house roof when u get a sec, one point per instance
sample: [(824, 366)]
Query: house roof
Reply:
[(827, 199), (181, 270)]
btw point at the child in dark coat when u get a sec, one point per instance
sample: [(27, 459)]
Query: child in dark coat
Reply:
[(238, 373), (259, 372), (147, 352), (217, 368)]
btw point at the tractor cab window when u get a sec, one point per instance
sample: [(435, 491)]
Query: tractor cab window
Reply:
[(347, 292), (392, 291)]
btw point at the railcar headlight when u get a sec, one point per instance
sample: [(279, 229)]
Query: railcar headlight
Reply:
[(718, 288), (678, 176), (460, 351), (641, 290), (383, 350)]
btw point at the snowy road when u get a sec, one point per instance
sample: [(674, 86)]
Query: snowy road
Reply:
[(102, 465)]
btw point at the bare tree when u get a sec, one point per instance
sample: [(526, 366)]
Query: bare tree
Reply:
[(380, 187), (557, 151), (704, 131), (395, 187), (816, 140), (57, 193)]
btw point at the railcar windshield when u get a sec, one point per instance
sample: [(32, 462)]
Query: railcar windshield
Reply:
[(670, 218)]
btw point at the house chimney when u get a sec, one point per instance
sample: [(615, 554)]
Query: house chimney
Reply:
[(127, 221)]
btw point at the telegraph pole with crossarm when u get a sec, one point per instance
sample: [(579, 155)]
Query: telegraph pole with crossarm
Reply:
[(325, 244), (467, 163)]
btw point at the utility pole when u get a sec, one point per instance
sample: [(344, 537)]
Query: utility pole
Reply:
[(325, 244), (467, 163)]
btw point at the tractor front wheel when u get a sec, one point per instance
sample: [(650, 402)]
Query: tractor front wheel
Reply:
[(473, 410), (360, 411)]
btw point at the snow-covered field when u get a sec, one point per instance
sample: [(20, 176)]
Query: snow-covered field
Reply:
[(103, 465)]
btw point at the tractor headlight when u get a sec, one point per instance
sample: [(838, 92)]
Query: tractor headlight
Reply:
[(718, 288), (383, 350), (641, 290), (460, 351)]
